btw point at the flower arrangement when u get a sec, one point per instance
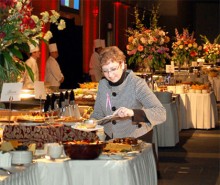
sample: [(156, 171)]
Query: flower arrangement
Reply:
[(18, 29), (185, 47), (147, 46), (211, 51)]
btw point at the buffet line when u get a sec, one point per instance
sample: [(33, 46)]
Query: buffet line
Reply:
[(35, 141), (57, 132)]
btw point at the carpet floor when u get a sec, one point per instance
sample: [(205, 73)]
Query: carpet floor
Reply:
[(195, 160)]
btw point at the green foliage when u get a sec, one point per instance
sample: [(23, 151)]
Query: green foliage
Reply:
[(154, 17)]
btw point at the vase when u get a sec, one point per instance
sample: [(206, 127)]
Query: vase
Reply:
[(186, 63)]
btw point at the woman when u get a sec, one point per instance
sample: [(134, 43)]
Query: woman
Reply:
[(128, 97)]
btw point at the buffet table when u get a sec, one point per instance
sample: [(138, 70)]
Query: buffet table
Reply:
[(138, 170), (198, 110), (133, 170)]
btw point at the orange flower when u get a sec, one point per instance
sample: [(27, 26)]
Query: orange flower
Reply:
[(167, 39), (130, 39), (189, 45), (181, 46), (195, 45), (140, 48), (129, 47)]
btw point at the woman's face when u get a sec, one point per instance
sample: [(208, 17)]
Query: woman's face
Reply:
[(113, 71)]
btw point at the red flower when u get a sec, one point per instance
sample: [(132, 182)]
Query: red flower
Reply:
[(31, 24), (6, 3), (2, 35), (193, 53), (27, 22)]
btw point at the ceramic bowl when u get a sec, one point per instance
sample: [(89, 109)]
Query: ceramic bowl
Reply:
[(83, 151), (55, 151), (90, 123), (21, 157)]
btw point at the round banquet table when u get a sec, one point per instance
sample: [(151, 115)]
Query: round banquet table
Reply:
[(215, 82), (197, 111), (168, 132)]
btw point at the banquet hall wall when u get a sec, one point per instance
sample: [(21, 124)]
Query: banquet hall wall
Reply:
[(109, 19)]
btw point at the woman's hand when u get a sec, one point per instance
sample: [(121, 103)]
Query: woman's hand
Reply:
[(124, 112)]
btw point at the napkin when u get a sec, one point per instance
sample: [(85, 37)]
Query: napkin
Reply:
[(5, 159), (6, 146), (32, 147)]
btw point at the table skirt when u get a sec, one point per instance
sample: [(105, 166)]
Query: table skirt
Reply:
[(198, 111), (168, 132), (139, 170), (22, 175), (215, 82)]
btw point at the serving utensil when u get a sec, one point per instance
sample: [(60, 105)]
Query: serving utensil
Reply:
[(5, 170), (100, 121)]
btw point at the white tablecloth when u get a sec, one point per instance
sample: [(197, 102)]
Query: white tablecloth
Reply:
[(139, 170), (22, 175), (168, 132), (198, 111), (215, 82)]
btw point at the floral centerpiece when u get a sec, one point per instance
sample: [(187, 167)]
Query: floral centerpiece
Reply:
[(18, 29), (211, 51), (185, 48), (147, 46)]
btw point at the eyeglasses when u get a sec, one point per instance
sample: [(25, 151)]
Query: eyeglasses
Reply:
[(113, 69)]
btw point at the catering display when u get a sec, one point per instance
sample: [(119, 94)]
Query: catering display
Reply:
[(85, 96), (52, 124)]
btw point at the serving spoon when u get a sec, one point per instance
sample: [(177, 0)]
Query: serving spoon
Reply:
[(5, 170)]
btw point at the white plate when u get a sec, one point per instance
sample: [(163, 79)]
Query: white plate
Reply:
[(111, 156), (98, 127), (30, 124), (132, 153), (69, 123), (116, 156)]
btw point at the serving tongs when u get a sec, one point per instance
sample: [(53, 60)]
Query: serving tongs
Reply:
[(101, 121), (5, 170)]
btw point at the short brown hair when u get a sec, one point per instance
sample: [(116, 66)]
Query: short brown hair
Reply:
[(112, 53)]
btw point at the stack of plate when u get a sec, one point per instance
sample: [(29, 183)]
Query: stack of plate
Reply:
[(21, 157)]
